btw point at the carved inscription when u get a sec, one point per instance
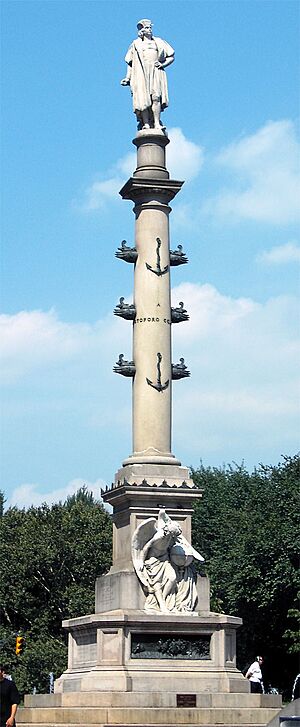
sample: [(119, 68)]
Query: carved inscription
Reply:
[(185, 700), (153, 319)]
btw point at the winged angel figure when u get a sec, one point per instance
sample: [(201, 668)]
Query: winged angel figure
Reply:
[(162, 559)]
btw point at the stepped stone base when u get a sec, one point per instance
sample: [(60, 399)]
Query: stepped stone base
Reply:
[(145, 709)]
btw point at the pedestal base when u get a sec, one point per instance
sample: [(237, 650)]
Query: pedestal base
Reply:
[(142, 709), (134, 651)]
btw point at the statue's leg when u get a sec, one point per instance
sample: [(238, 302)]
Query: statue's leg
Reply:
[(145, 119), (139, 120), (156, 109), (160, 599), (171, 581)]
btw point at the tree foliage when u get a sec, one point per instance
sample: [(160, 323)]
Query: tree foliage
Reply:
[(51, 557), (246, 528)]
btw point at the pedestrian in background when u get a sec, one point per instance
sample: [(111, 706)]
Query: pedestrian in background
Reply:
[(9, 699), (254, 674), (296, 688)]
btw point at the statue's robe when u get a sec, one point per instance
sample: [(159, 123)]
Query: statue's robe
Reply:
[(142, 86), (161, 572)]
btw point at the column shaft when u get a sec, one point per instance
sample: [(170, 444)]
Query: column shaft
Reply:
[(151, 190), (152, 332)]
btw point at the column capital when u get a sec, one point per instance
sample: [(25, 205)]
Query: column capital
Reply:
[(141, 189)]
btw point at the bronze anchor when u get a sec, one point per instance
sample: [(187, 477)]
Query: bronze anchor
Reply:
[(158, 270), (158, 386)]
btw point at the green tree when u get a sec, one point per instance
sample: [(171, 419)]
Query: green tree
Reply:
[(2, 503), (246, 528), (51, 557)]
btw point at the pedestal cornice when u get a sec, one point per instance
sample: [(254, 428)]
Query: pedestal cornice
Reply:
[(133, 497), (149, 621)]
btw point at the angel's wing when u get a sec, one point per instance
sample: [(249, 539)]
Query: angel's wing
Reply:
[(143, 533), (188, 548)]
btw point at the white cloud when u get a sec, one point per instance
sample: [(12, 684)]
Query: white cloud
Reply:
[(210, 311), (37, 340), (126, 165), (244, 391), (185, 159), (280, 254), (265, 166), (31, 494), (98, 193)]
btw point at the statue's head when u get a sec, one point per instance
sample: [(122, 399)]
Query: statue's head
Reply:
[(172, 528), (144, 28)]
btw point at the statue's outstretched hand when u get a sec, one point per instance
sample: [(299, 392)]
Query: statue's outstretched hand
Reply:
[(125, 82)]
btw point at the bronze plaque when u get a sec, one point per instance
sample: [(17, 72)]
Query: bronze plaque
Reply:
[(186, 700), (158, 646)]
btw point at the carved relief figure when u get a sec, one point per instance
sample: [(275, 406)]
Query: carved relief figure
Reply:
[(162, 559), (146, 60)]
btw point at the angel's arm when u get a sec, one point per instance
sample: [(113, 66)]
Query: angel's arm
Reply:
[(145, 550), (188, 548)]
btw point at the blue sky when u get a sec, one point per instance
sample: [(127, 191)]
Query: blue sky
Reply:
[(67, 127)]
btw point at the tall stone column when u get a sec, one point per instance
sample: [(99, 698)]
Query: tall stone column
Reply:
[(152, 383)]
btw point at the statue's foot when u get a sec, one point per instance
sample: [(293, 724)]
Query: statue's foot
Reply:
[(146, 126), (164, 608)]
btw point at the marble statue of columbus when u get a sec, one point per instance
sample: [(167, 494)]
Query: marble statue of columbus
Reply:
[(146, 60)]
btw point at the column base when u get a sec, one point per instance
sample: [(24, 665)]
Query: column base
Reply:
[(151, 456), (169, 473)]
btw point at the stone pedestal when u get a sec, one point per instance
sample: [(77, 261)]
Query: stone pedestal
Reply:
[(131, 651)]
